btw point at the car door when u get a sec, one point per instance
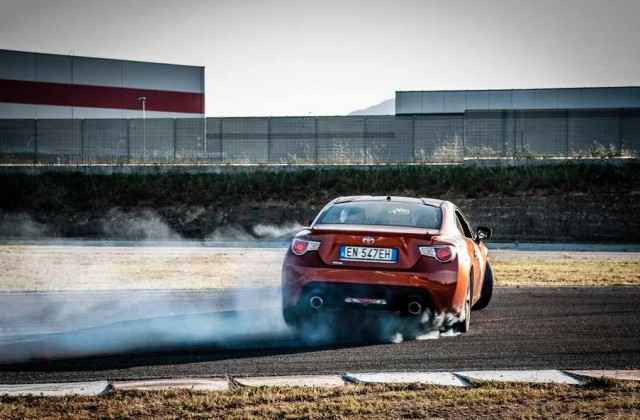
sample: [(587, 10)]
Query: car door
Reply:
[(474, 252)]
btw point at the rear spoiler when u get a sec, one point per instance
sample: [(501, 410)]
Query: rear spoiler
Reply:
[(375, 229)]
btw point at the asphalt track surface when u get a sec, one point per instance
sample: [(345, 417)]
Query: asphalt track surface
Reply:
[(81, 336)]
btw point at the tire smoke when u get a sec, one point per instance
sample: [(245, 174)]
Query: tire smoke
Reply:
[(87, 323)]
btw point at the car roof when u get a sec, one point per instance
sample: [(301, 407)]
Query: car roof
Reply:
[(428, 201)]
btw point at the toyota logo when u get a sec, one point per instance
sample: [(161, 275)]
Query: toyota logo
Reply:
[(368, 240)]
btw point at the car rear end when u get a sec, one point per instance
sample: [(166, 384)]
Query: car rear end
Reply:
[(371, 254)]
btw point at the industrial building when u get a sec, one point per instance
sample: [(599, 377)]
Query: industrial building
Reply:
[(67, 109), (44, 86), (564, 122), (460, 101)]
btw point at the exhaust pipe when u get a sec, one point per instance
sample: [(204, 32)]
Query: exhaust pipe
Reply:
[(316, 302), (414, 308)]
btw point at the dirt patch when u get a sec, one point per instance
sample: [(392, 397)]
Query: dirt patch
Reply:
[(602, 399)]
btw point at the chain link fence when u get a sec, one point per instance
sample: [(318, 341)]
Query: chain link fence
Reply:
[(435, 138), (552, 133)]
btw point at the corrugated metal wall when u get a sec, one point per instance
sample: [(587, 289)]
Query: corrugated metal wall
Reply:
[(326, 140), (98, 72), (459, 101), (52, 68)]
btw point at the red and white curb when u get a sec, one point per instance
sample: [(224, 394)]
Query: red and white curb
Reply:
[(455, 378)]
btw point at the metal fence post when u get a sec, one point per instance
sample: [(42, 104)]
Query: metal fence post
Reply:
[(315, 122), (204, 134), (35, 142), (515, 133), (464, 134), (413, 140), (621, 115), (365, 146), (82, 141), (175, 138), (221, 129), (268, 139), (504, 134), (128, 141), (566, 134)]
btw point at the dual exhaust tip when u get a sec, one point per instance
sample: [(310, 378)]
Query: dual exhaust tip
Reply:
[(414, 307), (316, 302)]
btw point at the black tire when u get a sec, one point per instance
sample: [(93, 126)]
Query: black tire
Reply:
[(291, 318), (464, 325), (487, 289)]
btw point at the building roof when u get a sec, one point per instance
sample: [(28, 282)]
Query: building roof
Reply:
[(459, 101)]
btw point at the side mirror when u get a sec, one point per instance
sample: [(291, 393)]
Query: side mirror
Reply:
[(483, 233)]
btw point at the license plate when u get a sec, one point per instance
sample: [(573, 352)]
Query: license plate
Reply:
[(365, 253), (365, 301)]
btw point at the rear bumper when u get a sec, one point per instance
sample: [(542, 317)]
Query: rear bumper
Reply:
[(394, 287)]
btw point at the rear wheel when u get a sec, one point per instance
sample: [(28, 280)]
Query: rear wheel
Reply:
[(463, 325), (487, 289), (291, 318), (309, 321)]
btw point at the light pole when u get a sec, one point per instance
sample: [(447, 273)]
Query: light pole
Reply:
[(143, 99)]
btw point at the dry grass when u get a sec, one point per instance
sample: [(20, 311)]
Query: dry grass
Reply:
[(46, 268), (567, 269), (602, 399)]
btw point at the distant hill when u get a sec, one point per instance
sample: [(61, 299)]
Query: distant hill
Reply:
[(387, 107)]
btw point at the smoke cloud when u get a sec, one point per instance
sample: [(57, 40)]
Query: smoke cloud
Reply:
[(142, 225), (230, 233), (21, 225), (258, 232), (284, 231), (139, 224), (36, 326), (88, 325)]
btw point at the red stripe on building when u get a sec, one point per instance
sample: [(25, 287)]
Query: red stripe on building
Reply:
[(63, 94)]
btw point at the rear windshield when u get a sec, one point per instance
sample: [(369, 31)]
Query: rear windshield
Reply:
[(383, 213)]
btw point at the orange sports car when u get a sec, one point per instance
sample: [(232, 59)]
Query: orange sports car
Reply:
[(414, 257)]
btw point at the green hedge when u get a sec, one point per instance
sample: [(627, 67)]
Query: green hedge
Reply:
[(52, 191)]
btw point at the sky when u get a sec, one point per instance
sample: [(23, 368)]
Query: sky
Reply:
[(331, 57)]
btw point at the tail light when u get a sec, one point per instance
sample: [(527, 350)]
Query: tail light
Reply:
[(301, 246), (442, 253)]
